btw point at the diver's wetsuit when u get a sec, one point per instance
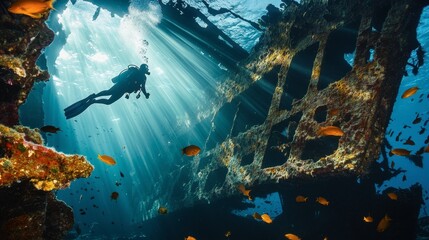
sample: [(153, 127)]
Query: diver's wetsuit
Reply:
[(133, 82)]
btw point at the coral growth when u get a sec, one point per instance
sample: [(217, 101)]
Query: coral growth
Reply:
[(23, 157)]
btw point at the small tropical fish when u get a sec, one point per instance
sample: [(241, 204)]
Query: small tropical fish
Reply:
[(392, 196), (368, 219), (32, 8), (404, 178), (266, 218), (409, 92), (228, 234), (243, 190), (392, 164), (107, 159), (190, 238), (292, 236), (418, 119), (322, 201), (162, 210), (384, 223), (427, 148), (50, 129), (257, 216), (330, 131), (191, 150), (409, 142), (114, 195), (120, 173), (301, 199), (400, 152)]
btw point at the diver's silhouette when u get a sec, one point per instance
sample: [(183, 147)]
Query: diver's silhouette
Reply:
[(132, 79)]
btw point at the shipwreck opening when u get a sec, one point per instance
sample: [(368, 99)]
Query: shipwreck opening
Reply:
[(247, 159), (278, 146), (253, 110), (340, 42), (379, 17), (299, 73), (320, 114), (317, 148), (216, 178)]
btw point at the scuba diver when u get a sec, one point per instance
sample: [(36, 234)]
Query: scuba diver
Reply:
[(131, 79)]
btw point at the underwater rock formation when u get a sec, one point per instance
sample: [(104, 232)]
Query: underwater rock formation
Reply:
[(23, 157), (304, 84), (29, 171), (21, 41)]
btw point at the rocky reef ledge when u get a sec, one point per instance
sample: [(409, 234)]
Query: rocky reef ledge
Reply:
[(29, 171)]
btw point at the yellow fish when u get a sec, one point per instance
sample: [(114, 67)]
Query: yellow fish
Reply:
[(191, 150), (409, 92), (368, 219), (392, 196), (292, 236), (301, 199), (32, 8), (162, 210), (266, 218), (228, 234), (243, 190), (190, 238), (384, 223), (330, 131), (322, 201), (107, 159), (400, 152)]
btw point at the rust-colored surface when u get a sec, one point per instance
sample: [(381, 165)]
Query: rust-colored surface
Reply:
[(310, 41), (25, 158)]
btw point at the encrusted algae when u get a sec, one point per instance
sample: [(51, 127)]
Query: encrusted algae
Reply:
[(25, 158), (359, 102)]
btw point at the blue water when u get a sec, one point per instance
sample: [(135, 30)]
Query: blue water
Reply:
[(146, 136)]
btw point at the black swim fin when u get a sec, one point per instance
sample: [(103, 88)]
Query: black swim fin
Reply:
[(79, 103), (76, 110)]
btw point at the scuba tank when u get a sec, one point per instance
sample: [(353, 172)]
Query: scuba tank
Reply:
[(124, 74)]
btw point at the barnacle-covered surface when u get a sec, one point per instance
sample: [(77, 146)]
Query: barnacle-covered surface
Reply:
[(299, 73), (21, 41), (25, 158)]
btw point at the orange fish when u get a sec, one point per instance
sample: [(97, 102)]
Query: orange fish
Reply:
[(301, 199), (427, 148), (32, 8), (292, 236), (322, 201), (392, 196), (114, 195), (257, 216), (330, 131), (191, 150), (409, 142), (368, 219), (266, 218), (400, 152), (384, 223), (190, 238), (107, 159), (228, 234), (162, 210), (409, 92), (243, 190)]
